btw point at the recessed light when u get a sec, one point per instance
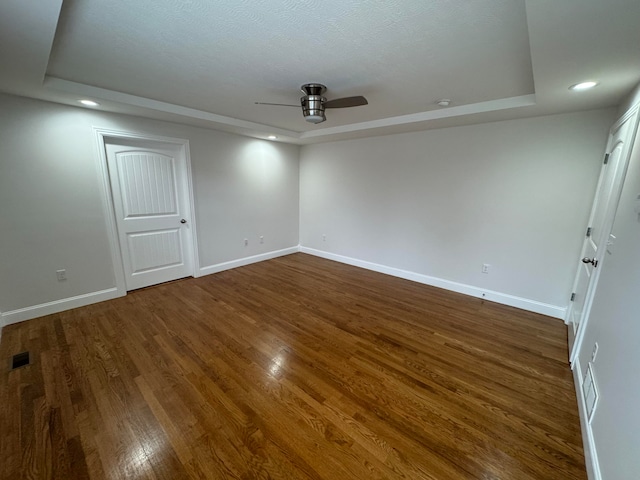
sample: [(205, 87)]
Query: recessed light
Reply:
[(272, 137), (89, 103), (444, 102), (578, 87)]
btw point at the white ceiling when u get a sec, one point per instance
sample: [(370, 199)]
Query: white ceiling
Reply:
[(206, 63)]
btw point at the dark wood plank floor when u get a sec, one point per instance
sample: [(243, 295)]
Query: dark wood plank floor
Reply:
[(294, 368)]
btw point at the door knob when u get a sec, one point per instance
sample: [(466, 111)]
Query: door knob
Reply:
[(592, 261), (183, 221)]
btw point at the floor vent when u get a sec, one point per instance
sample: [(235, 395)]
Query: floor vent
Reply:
[(20, 360), (589, 392)]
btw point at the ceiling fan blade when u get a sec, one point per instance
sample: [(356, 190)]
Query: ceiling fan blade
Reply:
[(346, 102), (277, 104)]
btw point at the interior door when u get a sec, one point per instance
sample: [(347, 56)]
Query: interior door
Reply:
[(149, 186), (600, 224)]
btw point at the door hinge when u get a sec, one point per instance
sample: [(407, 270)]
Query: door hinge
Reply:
[(573, 296), (606, 158), (589, 232)]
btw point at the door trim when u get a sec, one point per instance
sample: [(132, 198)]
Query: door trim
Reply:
[(103, 135)]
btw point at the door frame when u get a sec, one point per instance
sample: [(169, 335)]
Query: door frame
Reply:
[(103, 136), (608, 226)]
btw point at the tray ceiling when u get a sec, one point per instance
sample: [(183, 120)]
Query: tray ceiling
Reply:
[(206, 63)]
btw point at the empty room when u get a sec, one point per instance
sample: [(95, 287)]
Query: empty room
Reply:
[(319, 240)]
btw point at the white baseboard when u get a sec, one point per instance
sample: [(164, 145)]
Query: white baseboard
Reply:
[(588, 442), (220, 267), (502, 298), (15, 316)]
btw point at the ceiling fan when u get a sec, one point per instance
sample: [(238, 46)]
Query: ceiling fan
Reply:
[(313, 103)]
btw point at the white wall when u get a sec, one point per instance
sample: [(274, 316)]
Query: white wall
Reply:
[(514, 194), (632, 99), (50, 212), (50, 198), (614, 324)]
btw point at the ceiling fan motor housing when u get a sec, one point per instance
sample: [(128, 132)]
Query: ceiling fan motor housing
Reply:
[(313, 108), (313, 102)]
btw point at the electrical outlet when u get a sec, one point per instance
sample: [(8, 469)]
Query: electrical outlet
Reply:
[(594, 352), (61, 275), (324, 237), (485, 268), (246, 242), (261, 239)]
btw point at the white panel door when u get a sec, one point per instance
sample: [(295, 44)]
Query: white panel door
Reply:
[(149, 185), (600, 224)]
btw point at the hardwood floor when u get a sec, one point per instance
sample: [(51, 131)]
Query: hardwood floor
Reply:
[(294, 368)]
